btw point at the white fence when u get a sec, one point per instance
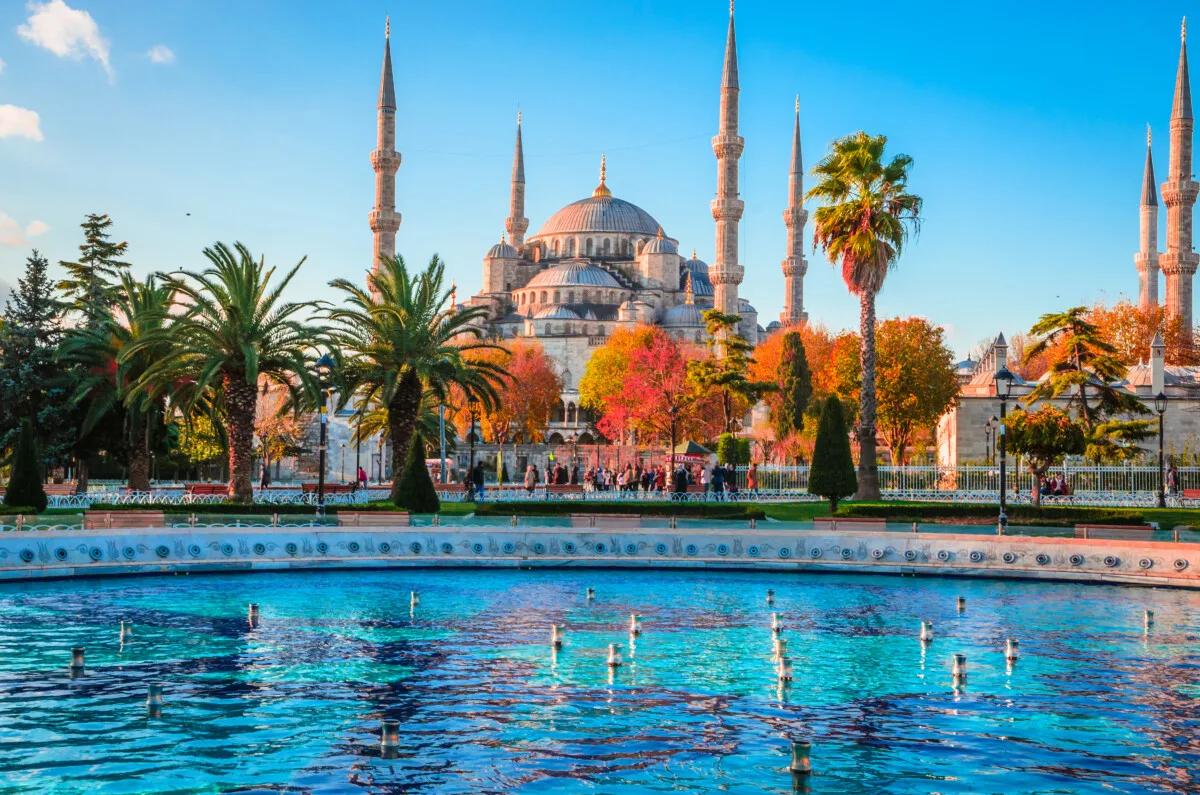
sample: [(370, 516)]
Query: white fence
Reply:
[(1090, 485)]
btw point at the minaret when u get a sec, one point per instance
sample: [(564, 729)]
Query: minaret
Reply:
[(726, 273), (385, 221), (1147, 257), (517, 223), (794, 218), (1179, 262)]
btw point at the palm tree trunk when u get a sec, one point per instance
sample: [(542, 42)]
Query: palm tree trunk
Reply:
[(241, 401), (402, 413), (139, 453), (81, 475), (868, 473)]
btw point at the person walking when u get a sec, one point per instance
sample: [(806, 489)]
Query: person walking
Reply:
[(476, 479), (752, 479), (531, 478)]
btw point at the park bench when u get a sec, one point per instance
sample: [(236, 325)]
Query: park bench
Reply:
[(59, 489), (206, 489), (330, 488), (1191, 494), (1121, 531), (557, 490), (833, 524), (374, 519), (101, 520)]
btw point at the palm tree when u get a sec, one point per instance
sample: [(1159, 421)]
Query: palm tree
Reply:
[(863, 226), (109, 374), (401, 339), (235, 331)]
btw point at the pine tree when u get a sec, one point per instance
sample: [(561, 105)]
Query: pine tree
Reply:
[(92, 279), (795, 387), (415, 491), (25, 483), (31, 383), (832, 473)]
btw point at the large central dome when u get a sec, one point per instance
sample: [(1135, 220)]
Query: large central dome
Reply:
[(600, 214)]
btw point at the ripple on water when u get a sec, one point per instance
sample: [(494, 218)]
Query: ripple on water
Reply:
[(484, 705)]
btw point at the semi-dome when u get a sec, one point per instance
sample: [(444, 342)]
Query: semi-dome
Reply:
[(555, 312), (574, 273), (683, 316)]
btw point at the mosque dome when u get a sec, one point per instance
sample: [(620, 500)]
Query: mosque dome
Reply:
[(660, 244), (503, 250), (600, 212), (701, 286), (683, 316), (574, 273)]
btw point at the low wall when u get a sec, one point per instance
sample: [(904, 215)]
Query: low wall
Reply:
[(31, 555)]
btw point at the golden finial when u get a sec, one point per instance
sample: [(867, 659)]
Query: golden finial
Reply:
[(797, 104), (1149, 137), (693, 253), (602, 189), (518, 118), (660, 232), (1183, 31), (387, 27), (687, 288)]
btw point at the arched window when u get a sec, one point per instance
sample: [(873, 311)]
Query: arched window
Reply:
[(557, 297), (607, 246), (570, 296), (542, 299), (572, 416), (571, 247), (556, 248), (558, 413), (588, 248)]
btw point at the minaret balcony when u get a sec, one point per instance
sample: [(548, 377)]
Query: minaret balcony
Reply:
[(384, 220), (728, 145), (1182, 192), (385, 161), (724, 209), (795, 216)]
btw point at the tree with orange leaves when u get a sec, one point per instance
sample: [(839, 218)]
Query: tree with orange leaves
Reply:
[(605, 373), (1129, 329)]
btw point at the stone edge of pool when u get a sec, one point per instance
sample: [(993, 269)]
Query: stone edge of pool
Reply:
[(36, 555)]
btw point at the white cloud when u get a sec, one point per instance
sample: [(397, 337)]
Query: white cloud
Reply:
[(67, 32), (2, 65), (19, 123), (160, 53), (11, 233)]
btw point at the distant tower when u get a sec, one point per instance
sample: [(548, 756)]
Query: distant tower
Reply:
[(794, 218), (517, 223), (1179, 262), (385, 221), (1147, 257), (726, 273)]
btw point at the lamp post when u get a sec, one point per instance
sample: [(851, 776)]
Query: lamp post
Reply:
[(1004, 385), (324, 367), (987, 442), (442, 433), (472, 408), (342, 465), (358, 448), (1160, 405)]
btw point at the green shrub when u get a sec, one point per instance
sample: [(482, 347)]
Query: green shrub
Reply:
[(25, 483), (1046, 516), (416, 491), (832, 473)]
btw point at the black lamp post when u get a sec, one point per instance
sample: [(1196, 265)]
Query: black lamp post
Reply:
[(1004, 385), (472, 408), (324, 368), (1160, 405), (988, 427)]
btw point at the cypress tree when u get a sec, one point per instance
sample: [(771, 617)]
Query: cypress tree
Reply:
[(415, 490), (25, 483), (795, 387), (727, 452), (832, 473)]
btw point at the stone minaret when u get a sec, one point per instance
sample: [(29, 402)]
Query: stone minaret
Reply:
[(1179, 262), (517, 223), (726, 273), (1147, 257), (385, 221), (794, 218)]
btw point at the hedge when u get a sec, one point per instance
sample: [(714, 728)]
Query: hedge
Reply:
[(1048, 516), (683, 510), (234, 508)]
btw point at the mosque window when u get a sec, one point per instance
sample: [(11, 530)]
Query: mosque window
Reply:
[(607, 246), (542, 299), (589, 247), (570, 296), (571, 247), (572, 415), (556, 248), (557, 297)]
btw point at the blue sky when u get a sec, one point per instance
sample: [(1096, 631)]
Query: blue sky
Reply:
[(1026, 122)]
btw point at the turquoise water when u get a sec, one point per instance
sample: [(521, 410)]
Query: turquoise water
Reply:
[(1094, 704)]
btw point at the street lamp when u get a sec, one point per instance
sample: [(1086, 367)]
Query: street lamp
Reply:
[(472, 407), (988, 428), (324, 368), (1004, 385), (342, 466), (1160, 405)]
